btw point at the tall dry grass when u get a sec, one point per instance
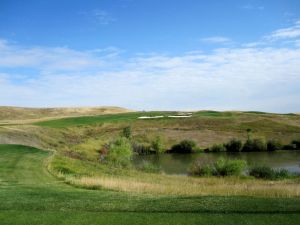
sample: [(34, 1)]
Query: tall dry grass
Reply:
[(188, 186)]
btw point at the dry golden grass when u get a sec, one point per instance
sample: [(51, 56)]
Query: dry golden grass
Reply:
[(20, 115), (190, 186), (30, 135)]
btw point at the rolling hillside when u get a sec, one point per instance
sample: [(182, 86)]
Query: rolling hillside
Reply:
[(10, 114)]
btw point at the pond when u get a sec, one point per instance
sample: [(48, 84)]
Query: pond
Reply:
[(180, 163)]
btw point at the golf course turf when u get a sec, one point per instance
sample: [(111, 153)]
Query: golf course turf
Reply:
[(30, 195)]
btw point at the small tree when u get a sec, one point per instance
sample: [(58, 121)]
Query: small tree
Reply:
[(249, 133), (234, 145), (120, 152), (157, 145), (126, 132), (273, 145)]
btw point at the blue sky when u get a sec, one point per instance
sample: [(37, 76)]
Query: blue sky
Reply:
[(141, 54)]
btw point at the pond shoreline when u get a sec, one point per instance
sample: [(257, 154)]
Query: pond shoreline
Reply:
[(178, 164)]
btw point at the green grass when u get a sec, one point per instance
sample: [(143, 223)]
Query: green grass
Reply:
[(88, 120), (214, 114), (131, 218), (127, 117), (30, 195)]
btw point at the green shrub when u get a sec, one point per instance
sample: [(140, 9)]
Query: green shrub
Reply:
[(266, 172), (197, 169), (282, 174), (273, 145), (185, 146), (228, 167), (263, 172), (157, 145), (234, 145), (120, 152), (254, 145), (141, 149), (220, 168), (217, 148), (296, 144), (206, 150), (126, 132), (149, 167), (288, 147)]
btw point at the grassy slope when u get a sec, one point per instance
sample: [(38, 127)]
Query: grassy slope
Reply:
[(205, 127), (89, 120), (24, 115), (30, 195)]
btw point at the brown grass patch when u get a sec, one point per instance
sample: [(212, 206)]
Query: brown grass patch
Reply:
[(190, 186)]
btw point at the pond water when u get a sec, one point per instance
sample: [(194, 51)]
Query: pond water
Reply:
[(180, 163)]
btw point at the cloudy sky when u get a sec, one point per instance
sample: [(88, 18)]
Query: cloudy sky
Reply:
[(151, 55)]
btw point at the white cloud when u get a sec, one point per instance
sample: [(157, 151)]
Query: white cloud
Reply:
[(55, 59), (241, 78), (285, 33), (216, 40)]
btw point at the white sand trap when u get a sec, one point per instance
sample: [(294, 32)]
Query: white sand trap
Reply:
[(180, 116), (150, 117)]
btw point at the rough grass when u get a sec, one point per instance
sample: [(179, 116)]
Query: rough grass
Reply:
[(30, 195), (205, 127), (28, 115), (85, 135), (190, 186), (92, 175)]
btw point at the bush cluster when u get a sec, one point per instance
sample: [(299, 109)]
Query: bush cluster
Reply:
[(253, 145), (185, 146), (293, 145), (217, 148), (234, 145), (120, 153), (223, 167), (228, 167), (265, 172)]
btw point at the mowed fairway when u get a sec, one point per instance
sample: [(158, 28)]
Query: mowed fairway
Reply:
[(30, 195)]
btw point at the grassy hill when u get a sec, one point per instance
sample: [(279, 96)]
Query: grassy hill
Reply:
[(87, 134), (204, 127), (10, 114)]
